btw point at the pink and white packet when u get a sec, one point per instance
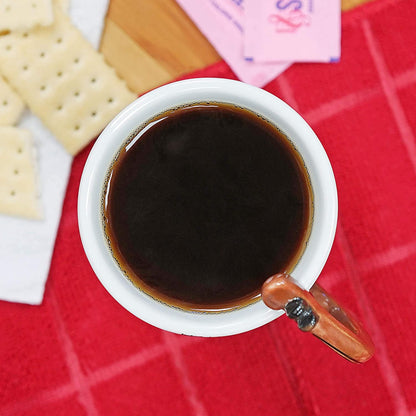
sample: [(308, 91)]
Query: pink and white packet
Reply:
[(292, 30), (222, 22)]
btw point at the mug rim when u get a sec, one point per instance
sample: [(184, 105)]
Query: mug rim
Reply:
[(136, 114)]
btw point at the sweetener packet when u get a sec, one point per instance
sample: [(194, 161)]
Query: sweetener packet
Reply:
[(293, 30), (222, 23)]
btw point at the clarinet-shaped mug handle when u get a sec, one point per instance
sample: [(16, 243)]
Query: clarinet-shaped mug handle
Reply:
[(318, 313)]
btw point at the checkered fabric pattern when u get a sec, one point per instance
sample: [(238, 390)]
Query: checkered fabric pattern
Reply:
[(80, 353)]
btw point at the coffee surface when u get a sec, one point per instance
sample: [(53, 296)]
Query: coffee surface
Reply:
[(204, 204)]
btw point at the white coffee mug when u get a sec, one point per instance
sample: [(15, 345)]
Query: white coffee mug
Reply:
[(167, 97)]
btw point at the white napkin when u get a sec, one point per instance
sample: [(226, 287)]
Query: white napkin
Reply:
[(26, 246)]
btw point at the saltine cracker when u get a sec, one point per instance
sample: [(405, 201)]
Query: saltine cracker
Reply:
[(11, 105), (18, 181), (63, 80), (25, 14)]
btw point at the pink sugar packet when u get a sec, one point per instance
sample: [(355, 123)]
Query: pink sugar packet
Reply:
[(222, 23), (293, 30)]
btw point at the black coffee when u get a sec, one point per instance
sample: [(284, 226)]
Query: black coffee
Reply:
[(204, 203)]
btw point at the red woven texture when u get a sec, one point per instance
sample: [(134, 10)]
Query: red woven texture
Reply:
[(80, 353)]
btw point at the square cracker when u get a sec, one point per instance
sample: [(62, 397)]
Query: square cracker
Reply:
[(25, 14), (63, 80), (11, 105), (18, 182), (64, 4)]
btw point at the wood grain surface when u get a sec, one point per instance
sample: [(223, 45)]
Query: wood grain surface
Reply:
[(151, 42)]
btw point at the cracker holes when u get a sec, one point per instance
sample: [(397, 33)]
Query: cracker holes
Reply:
[(93, 80), (8, 47), (15, 172), (76, 94), (7, 9), (25, 35), (59, 107), (76, 60), (93, 114), (59, 40), (59, 74), (19, 150), (25, 67), (34, 5), (77, 127), (5, 102), (42, 55), (42, 87), (12, 192), (110, 100)]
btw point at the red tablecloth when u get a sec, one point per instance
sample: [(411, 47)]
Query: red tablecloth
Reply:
[(81, 353)]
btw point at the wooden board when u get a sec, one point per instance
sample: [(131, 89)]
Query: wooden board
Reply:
[(151, 42)]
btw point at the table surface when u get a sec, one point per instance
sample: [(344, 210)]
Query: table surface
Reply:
[(154, 42)]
